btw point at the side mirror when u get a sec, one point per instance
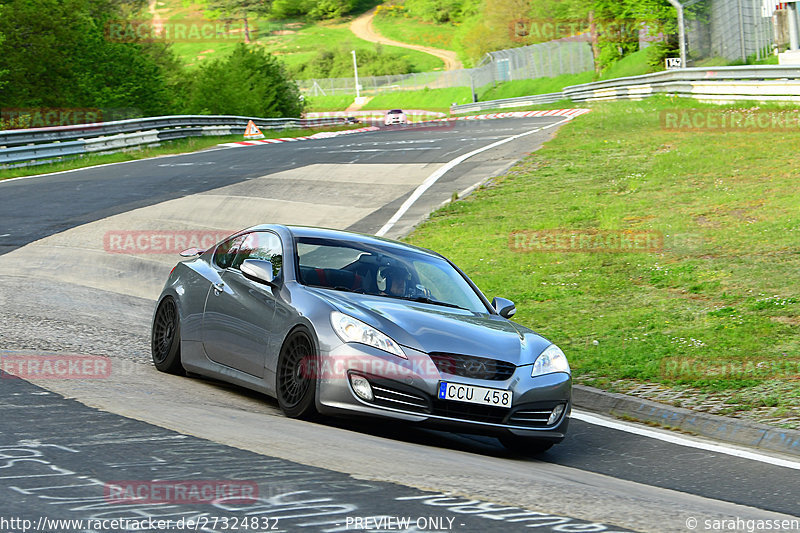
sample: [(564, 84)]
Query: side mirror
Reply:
[(505, 308), (258, 270), (191, 252)]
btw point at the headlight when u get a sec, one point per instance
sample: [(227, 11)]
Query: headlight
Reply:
[(549, 361), (350, 329)]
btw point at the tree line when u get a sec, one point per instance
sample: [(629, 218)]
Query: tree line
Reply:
[(57, 54), (611, 25)]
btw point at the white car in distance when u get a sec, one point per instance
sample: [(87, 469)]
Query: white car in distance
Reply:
[(395, 116)]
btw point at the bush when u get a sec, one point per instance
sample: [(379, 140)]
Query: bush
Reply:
[(248, 82), (440, 11), (659, 51), (338, 63), (315, 9)]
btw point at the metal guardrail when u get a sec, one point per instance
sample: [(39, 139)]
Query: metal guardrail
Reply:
[(762, 82), (536, 99), (43, 145)]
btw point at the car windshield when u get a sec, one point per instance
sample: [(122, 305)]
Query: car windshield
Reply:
[(389, 271)]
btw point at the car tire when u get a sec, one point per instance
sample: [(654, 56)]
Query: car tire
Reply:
[(165, 338), (296, 381), (525, 445)]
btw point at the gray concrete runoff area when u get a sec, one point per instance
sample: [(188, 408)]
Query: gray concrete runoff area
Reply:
[(66, 445)]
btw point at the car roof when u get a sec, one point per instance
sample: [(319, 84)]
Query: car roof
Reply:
[(345, 236), (395, 111)]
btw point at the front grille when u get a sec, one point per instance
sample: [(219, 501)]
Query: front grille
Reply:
[(388, 393), (527, 415), (469, 411), (470, 366)]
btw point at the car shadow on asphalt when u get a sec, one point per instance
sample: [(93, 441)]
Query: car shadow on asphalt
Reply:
[(392, 429)]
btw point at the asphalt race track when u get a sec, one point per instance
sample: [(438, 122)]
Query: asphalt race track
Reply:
[(66, 290)]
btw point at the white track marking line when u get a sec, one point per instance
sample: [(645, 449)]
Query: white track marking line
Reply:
[(433, 178), (672, 438)]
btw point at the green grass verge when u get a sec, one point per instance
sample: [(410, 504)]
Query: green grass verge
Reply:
[(718, 61), (511, 89), (721, 290), (331, 102), (634, 64), (428, 99), (178, 146)]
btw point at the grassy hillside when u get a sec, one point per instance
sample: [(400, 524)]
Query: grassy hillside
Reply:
[(392, 22), (295, 42)]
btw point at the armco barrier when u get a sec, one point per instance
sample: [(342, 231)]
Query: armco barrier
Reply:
[(715, 84), (536, 99), (43, 145)]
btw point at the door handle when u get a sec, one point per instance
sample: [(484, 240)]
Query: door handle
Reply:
[(218, 287)]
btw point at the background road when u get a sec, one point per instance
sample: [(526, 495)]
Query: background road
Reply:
[(62, 292), (66, 200)]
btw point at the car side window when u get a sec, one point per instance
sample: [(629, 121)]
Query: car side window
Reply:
[(226, 252), (261, 245)]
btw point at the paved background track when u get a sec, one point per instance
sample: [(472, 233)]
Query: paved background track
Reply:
[(63, 292)]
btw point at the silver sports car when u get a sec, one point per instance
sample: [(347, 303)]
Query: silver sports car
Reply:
[(338, 323)]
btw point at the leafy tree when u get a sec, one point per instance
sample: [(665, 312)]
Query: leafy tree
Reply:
[(612, 25), (442, 11), (2, 72), (285, 9), (329, 9), (65, 59), (248, 82), (241, 10), (315, 9)]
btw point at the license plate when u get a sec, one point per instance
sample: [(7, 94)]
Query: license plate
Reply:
[(472, 394)]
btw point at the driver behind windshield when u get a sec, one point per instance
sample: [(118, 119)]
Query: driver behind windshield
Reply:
[(396, 281)]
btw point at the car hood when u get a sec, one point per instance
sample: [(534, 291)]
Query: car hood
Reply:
[(435, 328)]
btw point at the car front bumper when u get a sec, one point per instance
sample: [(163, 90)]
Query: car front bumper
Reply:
[(407, 390)]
